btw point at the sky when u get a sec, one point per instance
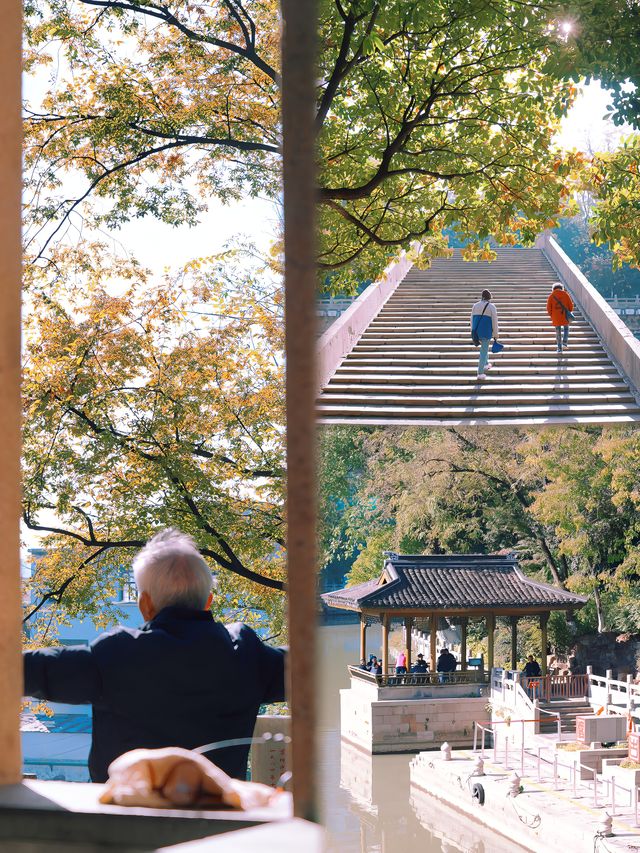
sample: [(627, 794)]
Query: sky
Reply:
[(585, 126)]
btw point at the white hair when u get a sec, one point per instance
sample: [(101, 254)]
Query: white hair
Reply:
[(171, 570)]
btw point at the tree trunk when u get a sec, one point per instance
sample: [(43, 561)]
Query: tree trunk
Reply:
[(553, 567), (599, 611)]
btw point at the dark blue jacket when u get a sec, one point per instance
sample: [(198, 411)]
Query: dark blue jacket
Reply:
[(182, 680)]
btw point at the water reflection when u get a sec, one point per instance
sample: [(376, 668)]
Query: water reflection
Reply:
[(367, 802)]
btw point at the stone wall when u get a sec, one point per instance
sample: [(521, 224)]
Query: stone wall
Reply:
[(411, 725), (618, 652)]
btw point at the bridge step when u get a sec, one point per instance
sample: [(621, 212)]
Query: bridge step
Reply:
[(415, 363), (569, 709)]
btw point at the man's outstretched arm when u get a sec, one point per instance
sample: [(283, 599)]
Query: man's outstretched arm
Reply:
[(273, 668), (62, 674)]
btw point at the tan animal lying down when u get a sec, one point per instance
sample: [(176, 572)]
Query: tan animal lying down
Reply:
[(158, 778)]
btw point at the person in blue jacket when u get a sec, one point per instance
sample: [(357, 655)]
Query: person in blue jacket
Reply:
[(484, 326), (183, 679)]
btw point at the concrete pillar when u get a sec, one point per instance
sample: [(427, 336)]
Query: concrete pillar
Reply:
[(433, 626), (408, 628), (10, 278), (384, 618), (491, 628), (299, 205), (514, 642), (544, 619), (463, 643), (363, 638)]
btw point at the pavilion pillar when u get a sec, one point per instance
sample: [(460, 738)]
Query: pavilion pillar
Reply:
[(514, 642), (491, 629), (433, 627), (299, 194), (384, 618), (408, 628), (10, 412), (363, 637), (544, 619), (463, 643)]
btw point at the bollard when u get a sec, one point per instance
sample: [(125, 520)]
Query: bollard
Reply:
[(595, 789), (522, 752), (475, 736), (445, 751), (506, 752), (555, 772), (478, 766), (613, 795), (605, 826), (495, 747), (539, 763), (575, 774), (514, 785)]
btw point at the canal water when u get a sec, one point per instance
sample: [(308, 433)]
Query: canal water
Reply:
[(367, 802)]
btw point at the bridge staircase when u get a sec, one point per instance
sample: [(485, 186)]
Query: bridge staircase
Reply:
[(568, 709), (415, 364)]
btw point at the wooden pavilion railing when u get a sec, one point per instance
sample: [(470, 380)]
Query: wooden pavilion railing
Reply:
[(545, 688), (391, 679)]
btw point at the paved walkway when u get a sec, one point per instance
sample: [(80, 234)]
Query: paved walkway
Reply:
[(548, 815), (551, 814), (415, 364)]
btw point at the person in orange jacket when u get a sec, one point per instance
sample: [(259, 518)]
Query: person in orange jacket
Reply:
[(559, 307)]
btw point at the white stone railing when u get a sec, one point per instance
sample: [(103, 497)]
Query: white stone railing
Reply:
[(618, 340), (507, 689), (509, 697), (615, 696), (341, 337)]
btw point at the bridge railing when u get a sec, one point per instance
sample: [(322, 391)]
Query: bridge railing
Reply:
[(618, 340), (342, 335), (614, 695)]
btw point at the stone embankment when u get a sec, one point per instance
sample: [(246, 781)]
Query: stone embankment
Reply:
[(550, 815)]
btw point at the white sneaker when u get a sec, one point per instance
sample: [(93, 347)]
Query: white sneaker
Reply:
[(482, 376), (488, 366)]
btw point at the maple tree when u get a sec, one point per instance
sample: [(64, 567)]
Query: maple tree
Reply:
[(428, 116), (149, 405)]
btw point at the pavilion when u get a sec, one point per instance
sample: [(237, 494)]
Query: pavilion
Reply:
[(456, 586)]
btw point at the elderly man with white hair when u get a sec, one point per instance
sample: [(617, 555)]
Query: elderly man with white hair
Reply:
[(183, 679)]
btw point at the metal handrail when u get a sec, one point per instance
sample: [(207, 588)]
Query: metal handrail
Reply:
[(612, 785)]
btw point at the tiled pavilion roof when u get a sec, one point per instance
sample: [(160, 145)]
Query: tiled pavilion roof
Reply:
[(455, 582)]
